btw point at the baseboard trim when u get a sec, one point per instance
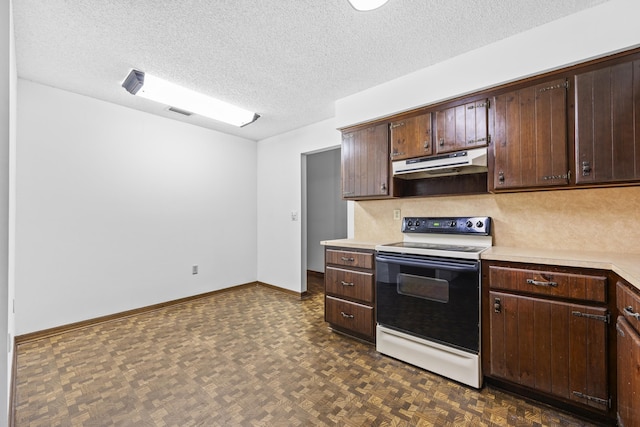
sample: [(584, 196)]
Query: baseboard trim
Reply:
[(12, 386), (47, 333), (283, 290)]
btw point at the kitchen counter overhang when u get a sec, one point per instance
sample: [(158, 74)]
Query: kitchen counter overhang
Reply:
[(625, 265)]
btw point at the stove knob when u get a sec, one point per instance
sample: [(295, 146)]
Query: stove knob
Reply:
[(410, 223), (479, 224), (469, 224), (417, 223), (452, 224)]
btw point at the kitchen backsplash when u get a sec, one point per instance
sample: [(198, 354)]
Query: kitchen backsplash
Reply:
[(603, 219)]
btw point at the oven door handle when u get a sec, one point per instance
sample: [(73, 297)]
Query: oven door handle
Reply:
[(429, 263)]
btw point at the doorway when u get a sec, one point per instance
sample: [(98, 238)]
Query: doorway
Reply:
[(325, 213)]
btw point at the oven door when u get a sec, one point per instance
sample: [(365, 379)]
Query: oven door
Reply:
[(437, 299)]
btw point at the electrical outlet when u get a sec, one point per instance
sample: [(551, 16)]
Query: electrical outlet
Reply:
[(294, 215), (194, 269), (396, 214)]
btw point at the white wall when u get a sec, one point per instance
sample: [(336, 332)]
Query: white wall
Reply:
[(326, 211), (7, 147), (115, 205), (607, 28), (280, 240)]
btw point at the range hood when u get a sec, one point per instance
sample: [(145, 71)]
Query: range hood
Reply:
[(458, 163)]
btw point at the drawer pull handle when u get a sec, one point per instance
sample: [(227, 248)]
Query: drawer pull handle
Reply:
[(346, 283), (629, 311), (538, 283), (345, 315), (344, 258)]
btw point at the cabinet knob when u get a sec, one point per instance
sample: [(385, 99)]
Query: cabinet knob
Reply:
[(501, 177), (586, 168), (497, 305), (441, 142), (383, 187), (345, 315), (426, 145)]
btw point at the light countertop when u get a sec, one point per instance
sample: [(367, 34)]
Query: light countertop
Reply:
[(626, 266), (351, 243)]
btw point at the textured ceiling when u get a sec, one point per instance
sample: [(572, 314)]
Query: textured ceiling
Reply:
[(288, 60)]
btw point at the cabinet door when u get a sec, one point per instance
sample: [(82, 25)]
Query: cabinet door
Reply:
[(553, 347), (365, 162), (411, 137), (628, 374), (530, 137), (461, 127), (608, 124)]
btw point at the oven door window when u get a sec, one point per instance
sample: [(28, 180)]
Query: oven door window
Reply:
[(429, 288)]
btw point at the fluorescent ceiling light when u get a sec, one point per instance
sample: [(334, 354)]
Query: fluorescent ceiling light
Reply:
[(164, 92), (364, 5)]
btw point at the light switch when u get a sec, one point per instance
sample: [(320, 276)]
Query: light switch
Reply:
[(294, 215)]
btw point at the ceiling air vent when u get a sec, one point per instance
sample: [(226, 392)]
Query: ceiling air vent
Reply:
[(179, 111)]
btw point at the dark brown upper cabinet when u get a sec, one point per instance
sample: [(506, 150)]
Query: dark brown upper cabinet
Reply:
[(461, 127), (411, 137), (607, 128), (365, 162), (530, 137)]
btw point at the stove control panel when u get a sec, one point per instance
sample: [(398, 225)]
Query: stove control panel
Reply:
[(477, 225)]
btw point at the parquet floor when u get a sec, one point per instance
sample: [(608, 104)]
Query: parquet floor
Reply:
[(248, 357)]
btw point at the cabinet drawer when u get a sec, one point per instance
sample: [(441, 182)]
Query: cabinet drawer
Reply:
[(349, 315), (550, 283), (349, 258), (349, 283), (628, 303)]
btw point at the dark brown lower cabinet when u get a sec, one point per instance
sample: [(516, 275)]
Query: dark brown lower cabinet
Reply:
[(628, 375), (628, 354), (349, 286), (548, 335)]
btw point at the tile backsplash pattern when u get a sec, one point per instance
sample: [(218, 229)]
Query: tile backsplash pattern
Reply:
[(602, 219)]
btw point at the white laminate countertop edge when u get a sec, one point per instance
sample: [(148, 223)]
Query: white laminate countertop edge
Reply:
[(626, 266), (350, 243)]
